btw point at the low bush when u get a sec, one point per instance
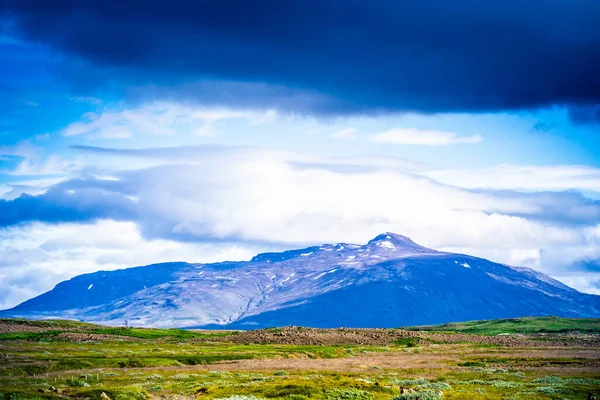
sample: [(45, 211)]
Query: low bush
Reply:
[(410, 382), (553, 390), (76, 383), (408, 342), (421, 395), (291, 389), (348, 394)]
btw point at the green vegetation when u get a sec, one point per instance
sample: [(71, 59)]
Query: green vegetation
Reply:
[(140, 364), (145, 333), (47, 323), (408, 342), (527, 325), (56, 327)]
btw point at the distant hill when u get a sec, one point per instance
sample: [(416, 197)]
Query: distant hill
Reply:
[(389, 282)]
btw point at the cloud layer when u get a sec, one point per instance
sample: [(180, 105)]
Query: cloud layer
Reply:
[(422, 137), (276, 199), (332, 56)]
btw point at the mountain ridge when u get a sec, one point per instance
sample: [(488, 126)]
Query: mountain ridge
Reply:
[(389, 281)]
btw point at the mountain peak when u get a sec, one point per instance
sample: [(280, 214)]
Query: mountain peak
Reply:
[(393, 239)]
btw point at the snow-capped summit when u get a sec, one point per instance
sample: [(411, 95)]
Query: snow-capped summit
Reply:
[(394, 238), (390, 281), (396, 242), (385, 245)]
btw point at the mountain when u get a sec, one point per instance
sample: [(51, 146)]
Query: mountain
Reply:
[(389, 282)]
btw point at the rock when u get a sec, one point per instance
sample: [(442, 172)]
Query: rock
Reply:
[(104, 396)]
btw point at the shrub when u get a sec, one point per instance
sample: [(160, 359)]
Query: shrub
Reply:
[(552, 390), (422, 395), (130, 364), (507, 384), (348, 394), (435, 386), (280, 373), (583, 381), (410, 382), (408, 342), (551, 380), (75, 383), (131, 394), (296, 397), (240, 397), (478, 382), (286, 390), (20, 396), (471, 364), (33, 369)]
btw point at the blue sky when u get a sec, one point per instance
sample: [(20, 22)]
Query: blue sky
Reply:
[(202, 131)]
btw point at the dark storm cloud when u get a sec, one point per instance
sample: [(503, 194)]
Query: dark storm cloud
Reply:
[(587, 266), (71, 201), (340, 56), (587, 114)]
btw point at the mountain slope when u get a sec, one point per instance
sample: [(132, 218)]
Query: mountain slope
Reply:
[(390, 281)]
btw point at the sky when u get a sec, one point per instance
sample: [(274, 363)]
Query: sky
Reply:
[(147, 131)]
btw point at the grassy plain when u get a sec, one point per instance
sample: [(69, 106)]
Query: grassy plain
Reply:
[(518, 325), (65, 359)]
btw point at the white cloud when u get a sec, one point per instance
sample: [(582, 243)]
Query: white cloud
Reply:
[(10, 191), (30, 160), (51, 165), (347, 133), (257, 195), (36, 257), (22, 149), (87, 99), (523, 177), (160, 118), (411, 136), (221, 200)]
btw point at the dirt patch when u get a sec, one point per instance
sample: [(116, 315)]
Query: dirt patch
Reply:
[(91, 337), (72, 334), (375, 362), (7, 327)]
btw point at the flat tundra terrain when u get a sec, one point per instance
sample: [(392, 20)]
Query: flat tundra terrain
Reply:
[(527, 358)]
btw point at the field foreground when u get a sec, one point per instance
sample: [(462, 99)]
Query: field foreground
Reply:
[(528, 358)]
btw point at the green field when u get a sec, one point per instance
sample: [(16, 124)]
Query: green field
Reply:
[(56, 327), (525, 325), (65, 359)]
